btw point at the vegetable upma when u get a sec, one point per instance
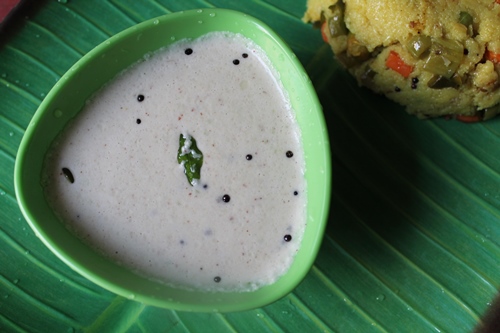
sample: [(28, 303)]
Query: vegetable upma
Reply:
[(437, 58)]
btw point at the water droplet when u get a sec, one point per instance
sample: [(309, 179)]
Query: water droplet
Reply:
[(200, 22), (42, 94), (16, 281), (37, 36), (2, 192), (199, 11), (131, 296), (61, 280), (211, 14), (155, 22), (11, 133), (172, 38), (58, 113), (380, 298), (260, 315), (27, 252)]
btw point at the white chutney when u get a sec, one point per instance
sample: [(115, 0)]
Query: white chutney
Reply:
[(130, 199)]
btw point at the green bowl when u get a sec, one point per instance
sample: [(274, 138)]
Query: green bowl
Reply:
[(99, 66)]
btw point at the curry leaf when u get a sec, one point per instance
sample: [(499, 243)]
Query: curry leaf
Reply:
[(190, 157)]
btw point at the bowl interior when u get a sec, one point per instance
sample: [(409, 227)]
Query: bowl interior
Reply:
[(99, 66)]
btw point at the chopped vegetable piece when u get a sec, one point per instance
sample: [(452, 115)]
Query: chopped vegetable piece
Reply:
[(492, 56), (418, 44), (491, 112), (336, 23), (444, 57), (397, 64), (323, 32), (440, 82), (465, 18), (469, 119)]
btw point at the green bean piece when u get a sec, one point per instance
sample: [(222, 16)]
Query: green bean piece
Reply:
[(190, 157), (336, 23), (441, 82), (444, 57), (491, 112), (465, 18), (418, 44)]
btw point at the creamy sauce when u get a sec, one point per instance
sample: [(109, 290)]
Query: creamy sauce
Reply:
[(241, 224)]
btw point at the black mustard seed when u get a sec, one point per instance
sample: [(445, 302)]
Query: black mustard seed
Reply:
[(226, 198), (295, 193), (414, 82), (217, 279), (245, 55), (249, 157), (287, 238), (68, 175), (289, 154), (397, 89), (140, 98), (236, 62), (138, 121), (188, 51)]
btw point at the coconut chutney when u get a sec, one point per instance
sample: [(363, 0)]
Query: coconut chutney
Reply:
[(114, 176)]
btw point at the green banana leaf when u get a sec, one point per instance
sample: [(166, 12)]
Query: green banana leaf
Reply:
[(412, 242)]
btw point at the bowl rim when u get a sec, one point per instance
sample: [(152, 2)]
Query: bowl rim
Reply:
[(266, 295)]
